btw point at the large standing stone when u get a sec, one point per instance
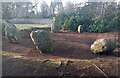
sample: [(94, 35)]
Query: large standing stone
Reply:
[(42, 41), (55, 26), (3, 24), (12, 33), (80, 29), (101, 46)]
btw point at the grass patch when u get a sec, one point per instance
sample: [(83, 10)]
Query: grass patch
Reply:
[(17, 56), (3, 53), (29, 26), (12, 55)]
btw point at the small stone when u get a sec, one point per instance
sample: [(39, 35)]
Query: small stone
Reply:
[(55, 26), (79, 28)]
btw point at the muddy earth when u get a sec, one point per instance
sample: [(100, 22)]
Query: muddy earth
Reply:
[(25, 60)]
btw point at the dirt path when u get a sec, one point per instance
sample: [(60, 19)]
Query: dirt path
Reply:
[(68, 46)]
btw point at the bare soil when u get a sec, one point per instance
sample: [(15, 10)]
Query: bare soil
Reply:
[(68, 46)]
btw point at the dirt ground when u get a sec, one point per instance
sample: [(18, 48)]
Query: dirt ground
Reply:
[(74, 47)]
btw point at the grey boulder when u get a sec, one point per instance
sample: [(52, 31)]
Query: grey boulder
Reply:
[(3, 24), (101, 46), (42, 41), (12, 33)]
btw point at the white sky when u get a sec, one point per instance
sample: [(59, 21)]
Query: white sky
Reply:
[(64, 1), (74, 1)]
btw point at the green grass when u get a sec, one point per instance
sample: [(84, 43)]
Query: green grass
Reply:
[(3, 53), (29, 26)]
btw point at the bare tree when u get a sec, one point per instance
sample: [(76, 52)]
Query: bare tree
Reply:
[(69, 8), (44, 9)]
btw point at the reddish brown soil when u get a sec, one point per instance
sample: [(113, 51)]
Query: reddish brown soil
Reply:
[(72, 46)]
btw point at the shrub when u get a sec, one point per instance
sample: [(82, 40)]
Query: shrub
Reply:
[(65, 25), (118, 19), (62, 17), (100, 25), (90, 23), (72, 24), (84, 21)]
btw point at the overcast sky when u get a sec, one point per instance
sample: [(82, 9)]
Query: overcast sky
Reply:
[(74, 1), (64, 1), (48, 1)]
